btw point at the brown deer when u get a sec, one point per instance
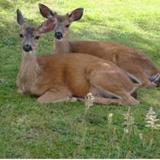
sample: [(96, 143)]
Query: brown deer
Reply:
[(57, 78), (137, 65)]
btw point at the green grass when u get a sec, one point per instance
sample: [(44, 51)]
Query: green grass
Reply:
[(69, 130)]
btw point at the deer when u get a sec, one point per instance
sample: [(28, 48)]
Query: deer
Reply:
[(136, 64), (61, 77)]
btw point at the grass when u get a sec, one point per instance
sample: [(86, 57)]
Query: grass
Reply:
[(68, 130)]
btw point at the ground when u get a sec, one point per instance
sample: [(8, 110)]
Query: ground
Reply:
[(70, 130)]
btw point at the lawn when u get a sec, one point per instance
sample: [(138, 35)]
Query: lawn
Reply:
[(71, 130)]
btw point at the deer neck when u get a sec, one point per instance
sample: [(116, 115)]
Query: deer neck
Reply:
[(62, 46), (29, 61), (28, 72), (27, 78)]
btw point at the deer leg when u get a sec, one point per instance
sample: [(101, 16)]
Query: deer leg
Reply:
[(129, 100), (102, 96), (155, 79), (56, 95), (140, 74), (106, 92)]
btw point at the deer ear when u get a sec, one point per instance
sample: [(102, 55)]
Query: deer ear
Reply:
[(76, 14), (45, 11), (47, 26), (20, 19)]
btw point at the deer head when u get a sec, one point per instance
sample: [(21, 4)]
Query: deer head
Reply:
[(29, 35), (63, 22)]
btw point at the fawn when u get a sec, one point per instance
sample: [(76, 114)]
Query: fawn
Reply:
[(57, 78), (137, 65)]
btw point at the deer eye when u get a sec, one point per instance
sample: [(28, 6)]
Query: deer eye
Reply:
[(67, 25), (21, 35), (36, 37)]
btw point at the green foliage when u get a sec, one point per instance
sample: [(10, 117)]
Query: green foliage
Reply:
[(67, 130)]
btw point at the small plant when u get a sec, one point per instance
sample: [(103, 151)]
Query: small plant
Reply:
[(110, 116), (89, 100), (151, 119), (128, 122)]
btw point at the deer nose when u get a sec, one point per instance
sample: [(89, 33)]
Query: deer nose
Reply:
[(58, 35), (27, 48)]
